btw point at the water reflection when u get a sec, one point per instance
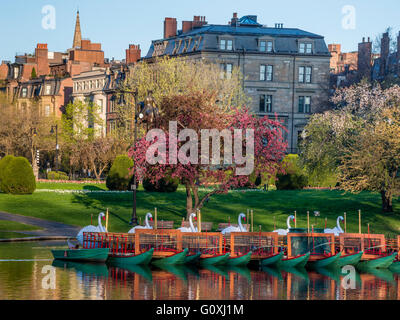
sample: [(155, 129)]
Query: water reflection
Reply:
[(21, 278)]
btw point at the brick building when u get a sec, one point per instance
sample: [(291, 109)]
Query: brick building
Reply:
[(286, 70), (342, 61)]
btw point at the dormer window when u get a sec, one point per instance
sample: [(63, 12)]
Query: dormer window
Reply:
[(47, 89), (305, 47), (265, 46), (16, 72), (226, 44)]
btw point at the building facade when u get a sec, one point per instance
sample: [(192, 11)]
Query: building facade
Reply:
[(286, 71)]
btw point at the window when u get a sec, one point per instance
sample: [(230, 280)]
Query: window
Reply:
[(226, 44), (100, 104), (305, 47), (265, 103), (24, 92), (97, 83), (47, 110), (16, 71), (266, 73), (47, 89), (304, 104), (266, 46), (226, 70), (305, 74)]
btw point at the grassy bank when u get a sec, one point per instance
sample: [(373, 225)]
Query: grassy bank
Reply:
[(76, 208)]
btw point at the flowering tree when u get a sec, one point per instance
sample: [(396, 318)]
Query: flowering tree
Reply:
[(361, 140), (199, 111)]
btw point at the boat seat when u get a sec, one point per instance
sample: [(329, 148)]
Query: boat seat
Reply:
[(205, 226), (163, 224)]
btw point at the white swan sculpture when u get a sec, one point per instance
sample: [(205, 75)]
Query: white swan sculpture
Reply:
[(236, 229), (92, 228), (147, 226), (336, 230), (284, 232), (192, 228)]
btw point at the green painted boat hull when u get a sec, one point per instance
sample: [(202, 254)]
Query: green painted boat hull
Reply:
[(272, 261), (193, 258), (329, 262), (300, 261), (352, 259), (90, 255), (395, 267), (216, 260), (239, 261), (382, 262), (177, 258), (120, 260)]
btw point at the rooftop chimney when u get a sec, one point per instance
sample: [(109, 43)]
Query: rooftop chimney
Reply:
[(170, 27)]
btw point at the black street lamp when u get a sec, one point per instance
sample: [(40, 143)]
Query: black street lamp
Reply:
[(147, 112), (55, 129)]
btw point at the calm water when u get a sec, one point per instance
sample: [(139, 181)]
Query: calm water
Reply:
[(21, 277)]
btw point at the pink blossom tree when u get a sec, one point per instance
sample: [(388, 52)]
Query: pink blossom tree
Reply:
[(199, 111)]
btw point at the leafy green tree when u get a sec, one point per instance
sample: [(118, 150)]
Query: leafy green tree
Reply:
[(33, 73)]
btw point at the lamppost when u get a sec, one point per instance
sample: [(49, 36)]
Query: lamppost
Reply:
[(147, 112), (55, 129), (34, 154)]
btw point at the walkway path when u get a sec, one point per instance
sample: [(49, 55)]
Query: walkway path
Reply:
[(49, 228)]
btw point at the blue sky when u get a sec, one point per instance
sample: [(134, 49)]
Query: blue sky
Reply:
[(119, 22)]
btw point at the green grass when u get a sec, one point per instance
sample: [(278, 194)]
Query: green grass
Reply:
[(70, 186), (76, 209), (9, 235), (16, 226)]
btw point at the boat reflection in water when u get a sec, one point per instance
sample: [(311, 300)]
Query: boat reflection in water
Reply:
[(218, 282)]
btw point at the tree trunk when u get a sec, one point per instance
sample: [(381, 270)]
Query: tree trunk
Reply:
[(386, 201)]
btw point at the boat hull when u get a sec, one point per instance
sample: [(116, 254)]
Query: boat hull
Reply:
[(121, 260), (177, 258), (380, 262), (395, 267), (328, 262), (90, 255), (215, 260), (239, 261), (299, 261), (272, 261), (351, 259), (192, 258)]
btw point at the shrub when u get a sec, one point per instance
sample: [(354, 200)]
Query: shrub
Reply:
[(295, 177), (3, 163), (166, 184), (57, 175), (119, 176), (18, 177)]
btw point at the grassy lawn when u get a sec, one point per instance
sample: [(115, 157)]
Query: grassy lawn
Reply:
[(16, 226), (9, 235), (76, 209), (70, 186)]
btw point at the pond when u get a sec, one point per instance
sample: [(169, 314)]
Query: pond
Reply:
[(25, 268)]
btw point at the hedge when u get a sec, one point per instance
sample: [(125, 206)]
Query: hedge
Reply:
[(17, 177), (119, 176)]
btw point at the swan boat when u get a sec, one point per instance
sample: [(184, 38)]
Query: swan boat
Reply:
[(175, 258), (381, 262), (240, 260), (89, 255), (131, 259), (350, 259), (273, 260)]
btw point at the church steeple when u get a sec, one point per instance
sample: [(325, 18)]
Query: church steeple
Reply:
[(77, 34)]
